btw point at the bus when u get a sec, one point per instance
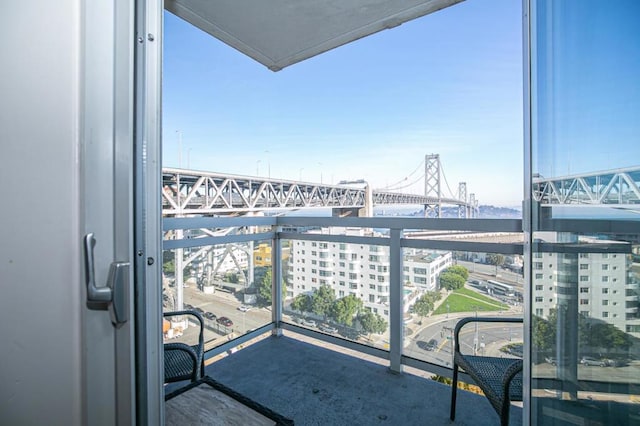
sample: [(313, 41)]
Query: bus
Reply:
[(500, 288)]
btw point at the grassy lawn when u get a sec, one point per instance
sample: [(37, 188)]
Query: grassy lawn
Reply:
[(482, 297), (462, 303)]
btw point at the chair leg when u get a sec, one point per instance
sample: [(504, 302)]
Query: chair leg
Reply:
[(454, 391)]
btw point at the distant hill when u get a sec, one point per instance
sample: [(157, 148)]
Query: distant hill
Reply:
[(492, 212), (484, 212)]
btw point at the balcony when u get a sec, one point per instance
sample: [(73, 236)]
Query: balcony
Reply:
[(315, 376)]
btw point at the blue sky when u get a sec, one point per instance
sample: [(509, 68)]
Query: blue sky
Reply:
[(447, 83), (588, 104)]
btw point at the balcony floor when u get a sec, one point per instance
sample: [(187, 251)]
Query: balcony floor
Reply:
[(314, 385)]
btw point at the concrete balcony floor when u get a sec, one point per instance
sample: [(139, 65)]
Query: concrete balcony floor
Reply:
[(315, 385)]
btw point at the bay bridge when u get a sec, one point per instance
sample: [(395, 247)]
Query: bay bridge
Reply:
[(190, 192), (617, 186)]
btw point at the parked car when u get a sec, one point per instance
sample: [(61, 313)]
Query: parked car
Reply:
[(225, 321), (328, 328), (586, 360), (308, 322), (244, 308), (210, 315)]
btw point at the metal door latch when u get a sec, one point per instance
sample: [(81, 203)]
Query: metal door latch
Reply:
[(115, 294)]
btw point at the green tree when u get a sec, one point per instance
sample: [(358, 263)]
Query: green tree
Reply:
[(372, 323), (423, 305), (169, 267), (322, 300), (265, 286), (302, 303), (460, 270), (543, 334), (231, 277), (608, 337), (451, 281), (343, 310)]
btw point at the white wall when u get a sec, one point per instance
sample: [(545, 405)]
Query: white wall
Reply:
[(40, 270)]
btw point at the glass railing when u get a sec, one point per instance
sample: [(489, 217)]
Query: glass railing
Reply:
[(375, 285)]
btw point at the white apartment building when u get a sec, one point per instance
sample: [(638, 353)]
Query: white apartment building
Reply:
[(361, 269), (607, 289)]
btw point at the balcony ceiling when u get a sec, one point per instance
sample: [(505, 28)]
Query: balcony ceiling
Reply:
[(279, 33)]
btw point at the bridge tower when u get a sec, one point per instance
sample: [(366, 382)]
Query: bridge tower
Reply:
[(432, 185), (472, 206), (463, 209)]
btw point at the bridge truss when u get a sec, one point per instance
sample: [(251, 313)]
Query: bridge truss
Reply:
[(619, 186), (186, 192)]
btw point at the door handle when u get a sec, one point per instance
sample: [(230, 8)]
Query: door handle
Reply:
[(115, 294)]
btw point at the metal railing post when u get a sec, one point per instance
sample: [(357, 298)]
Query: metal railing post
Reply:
[(276, 288), (395, 301)]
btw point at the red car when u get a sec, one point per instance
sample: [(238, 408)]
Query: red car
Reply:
[(225, 321)]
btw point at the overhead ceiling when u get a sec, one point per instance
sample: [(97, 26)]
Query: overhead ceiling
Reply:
[(278, 33)]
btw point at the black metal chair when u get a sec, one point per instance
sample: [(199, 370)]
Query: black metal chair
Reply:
[(499, 378), (183, 361)]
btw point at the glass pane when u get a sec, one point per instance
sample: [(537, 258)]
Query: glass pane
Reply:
[(229, 285), (339, 288), (585, 165), (490, 285)]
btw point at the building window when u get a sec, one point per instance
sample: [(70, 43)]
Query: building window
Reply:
[(584, 266), (605, 279), (538, 299), (605, 266), (605, 302), (314, 253), (353, 276), (420, 271), (372, 267), (584, 289), (537, 265), (374, 258), (539, 287), (342, 264), (605, 291), (584, 301), (381, 278), (353, 286), (605, 315), (584, 278), (341, 283), (372, 276), (539, 312), (584, 255), (539, 276), (354, 256), (341, 293), (372, 286)]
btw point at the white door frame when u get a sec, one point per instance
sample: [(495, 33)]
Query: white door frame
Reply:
[(120, 161)]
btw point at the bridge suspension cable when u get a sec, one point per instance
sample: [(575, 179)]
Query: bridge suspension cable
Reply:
[(401, 182), (451, 194)]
